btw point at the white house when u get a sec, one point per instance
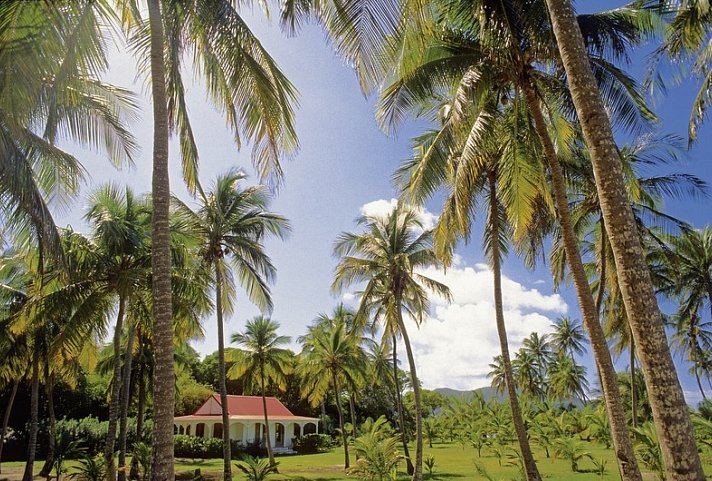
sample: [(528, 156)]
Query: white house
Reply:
[(247, 421)]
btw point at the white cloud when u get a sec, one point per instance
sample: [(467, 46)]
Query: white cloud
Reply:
[(455, 345), (383, 207)]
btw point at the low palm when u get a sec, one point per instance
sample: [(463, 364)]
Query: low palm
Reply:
[(261, 361)]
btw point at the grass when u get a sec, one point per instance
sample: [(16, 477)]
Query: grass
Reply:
[(452, 462)]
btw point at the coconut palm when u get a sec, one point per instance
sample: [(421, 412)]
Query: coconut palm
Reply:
[(567, 379), (120, 229), (568, 337), (386, 257), (261, 361), (670, 410), (53, 55), (244, 83), (330, 358), (231, 225)]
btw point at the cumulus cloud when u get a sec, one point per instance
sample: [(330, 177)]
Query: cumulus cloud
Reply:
[(455, 345), (383, 207)]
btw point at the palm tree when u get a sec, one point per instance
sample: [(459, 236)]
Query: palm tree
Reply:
[(330, 358), (261, 361), (53, 55), (568, 337), (231, 226), (120, 224), (670, 410), (567, 379), (245, 84), (386, 256)]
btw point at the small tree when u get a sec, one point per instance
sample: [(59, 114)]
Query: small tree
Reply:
[(376, 451)]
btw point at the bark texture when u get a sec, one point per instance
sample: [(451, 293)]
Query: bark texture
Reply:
[(268, 441), (227, 464), (418, 465), (399, 405), (125, 399), (670, 412), (34, 418), (518, 420), (115, 394), (622, 444), (339, 410), (52, 431), (164, 374)]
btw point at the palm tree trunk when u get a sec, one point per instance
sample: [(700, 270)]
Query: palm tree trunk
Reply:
[(627, 463), (268, 441), (115, 393), (337, 400), (670, 412), (633, 385), (418, 465), (6, 417), (699, 384), (164, 373), (227, 448), (34, 417), (352, 408), (125, 401), (517, 418), (139, 417), (52, 431), (401, 415)]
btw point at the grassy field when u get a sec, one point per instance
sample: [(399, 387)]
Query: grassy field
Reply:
[(451, 463)]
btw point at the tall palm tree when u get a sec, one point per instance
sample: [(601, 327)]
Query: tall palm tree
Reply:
[(261, 361), (568, 337), (567, 379), (244, 83), (120, 229), (330, 358), (387, 256), (231, 225), (671, 415), (688, 267)]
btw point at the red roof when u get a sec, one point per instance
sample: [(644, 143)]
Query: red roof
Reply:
[(243, 406)]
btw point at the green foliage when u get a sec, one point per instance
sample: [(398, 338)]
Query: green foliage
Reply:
[(599, 466), (90, 468), (209, 448), (65, 448), (377, 451), (142, 453), (429, 463), (647, 448), (312, 443), (572, 450), (256, 469)]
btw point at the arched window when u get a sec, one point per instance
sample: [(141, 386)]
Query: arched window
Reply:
[(217, 430), (309, 428), (200, 430)]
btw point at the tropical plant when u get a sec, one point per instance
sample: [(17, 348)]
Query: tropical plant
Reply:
[(231, 226), (572, 450), (386, 256), (244, 83), (261, 361), (90, 468), (256, 469), (377, 453), (649, 450), (568, 337), (666, 396), (330, 358)]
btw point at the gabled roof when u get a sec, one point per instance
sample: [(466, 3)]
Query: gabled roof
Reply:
[(243, 406)]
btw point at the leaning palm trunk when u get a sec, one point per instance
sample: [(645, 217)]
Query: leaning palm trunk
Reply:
[(633, 386), (399, 406), (339, 410), (164, 374), (625, 456), (115, 393), (125, 400), (268, 441), (52, 431), (6, 417), (34, 418), (418, 466), (517, 418), (227, 452), (670, 412)]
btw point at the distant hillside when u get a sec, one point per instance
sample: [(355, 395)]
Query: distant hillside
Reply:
[(487, 392)]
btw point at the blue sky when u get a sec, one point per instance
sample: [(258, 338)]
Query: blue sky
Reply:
[(345, 163)]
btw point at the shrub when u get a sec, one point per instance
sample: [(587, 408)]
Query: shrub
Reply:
[(312, 443), (210, 448), (255, 469)]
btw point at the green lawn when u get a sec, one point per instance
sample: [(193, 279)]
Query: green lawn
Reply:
[(451, 463)]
